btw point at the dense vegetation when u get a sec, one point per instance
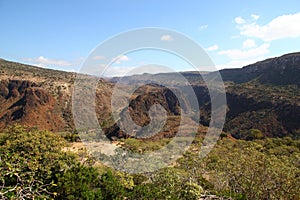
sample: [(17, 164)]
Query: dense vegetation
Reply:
[(260, 169), (35, 166)]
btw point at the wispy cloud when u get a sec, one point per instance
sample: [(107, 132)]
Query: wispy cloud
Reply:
[(238, 54), (212, 48), (237, 63), (285, 26), (281, 27), (202, 27), (45, 62), (131, 70), (255, 17), (118, 71), (239, 20), (166, 38), (249, 43), (121, 58), (248, 54), (99, 57)]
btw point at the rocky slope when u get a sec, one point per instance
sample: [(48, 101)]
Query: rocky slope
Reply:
[(283, 70), (263, 96), (41, 97)]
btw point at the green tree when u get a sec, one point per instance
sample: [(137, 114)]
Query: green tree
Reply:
[(30, 161), (79, 182), (248, 169), (255, 134), (111, 187)]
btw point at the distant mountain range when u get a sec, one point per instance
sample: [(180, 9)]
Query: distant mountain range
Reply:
[(283, 70), (263, 96)]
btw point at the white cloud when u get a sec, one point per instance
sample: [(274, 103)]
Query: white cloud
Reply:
[(255, 17), (121, 59), (117, 71), (237, 63), (72, 70), (249, 43), (285, 26), (131, 70), (99, 57), (202, 27), (212, 48), (249, 52), (166, 38), (238, 54), (239, 20), (45, 62)]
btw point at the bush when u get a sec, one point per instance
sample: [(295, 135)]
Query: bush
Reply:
[(111, 187), (79, 182), (248, 170), (30, 161)]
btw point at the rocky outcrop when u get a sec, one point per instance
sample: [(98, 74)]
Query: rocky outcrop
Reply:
[(45, 104), (25, 103), (282, 70), (260, 98)]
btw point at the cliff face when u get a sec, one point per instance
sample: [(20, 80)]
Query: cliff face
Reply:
[(149, 96), (282, 70)]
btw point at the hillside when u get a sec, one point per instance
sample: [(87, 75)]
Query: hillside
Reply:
[(263, 96), (41, 97), (283, 70)]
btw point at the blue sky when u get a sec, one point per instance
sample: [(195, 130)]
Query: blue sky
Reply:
[(60, 34)]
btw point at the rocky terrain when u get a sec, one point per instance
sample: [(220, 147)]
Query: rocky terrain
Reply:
[(262, 96), (41, 97)]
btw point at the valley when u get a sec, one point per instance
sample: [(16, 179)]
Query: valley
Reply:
[(255, 157)]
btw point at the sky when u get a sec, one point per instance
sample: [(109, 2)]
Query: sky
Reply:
[(61, 34)]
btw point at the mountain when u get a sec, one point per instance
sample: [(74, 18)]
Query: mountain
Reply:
[(263, 96), (41, 97), (283, 70), (163, 78)]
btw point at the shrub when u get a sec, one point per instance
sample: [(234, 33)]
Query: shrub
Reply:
[(30, 161), (79, 182)]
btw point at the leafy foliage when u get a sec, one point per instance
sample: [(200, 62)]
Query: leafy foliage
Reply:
[(255, 170), (79, 182), (33, 166), (30, 161)]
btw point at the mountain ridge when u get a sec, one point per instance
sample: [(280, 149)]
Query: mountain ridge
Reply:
[(251, 68), (265, 71), (260, 96)]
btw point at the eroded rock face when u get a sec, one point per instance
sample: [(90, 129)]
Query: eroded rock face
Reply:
[(24, 103), (28, 103), (36, 105), (43, 98), (140, 106)]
